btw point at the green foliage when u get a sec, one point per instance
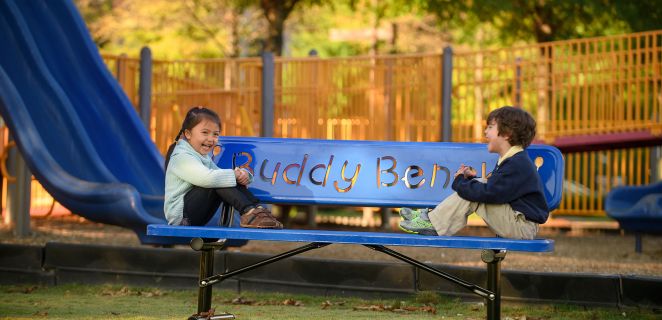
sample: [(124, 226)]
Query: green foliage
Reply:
[(638, 15), (173, 29), (550, 20), (237, 28)]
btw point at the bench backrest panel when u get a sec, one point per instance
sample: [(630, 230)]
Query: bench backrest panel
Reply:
[(369, 173)]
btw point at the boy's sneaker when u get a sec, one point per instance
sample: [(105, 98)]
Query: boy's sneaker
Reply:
[(410, 214), (418, 226)]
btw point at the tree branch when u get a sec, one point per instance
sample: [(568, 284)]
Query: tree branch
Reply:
[(204, 27)]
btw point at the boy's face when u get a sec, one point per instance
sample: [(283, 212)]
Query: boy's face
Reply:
[(204, 136), (495, 142)]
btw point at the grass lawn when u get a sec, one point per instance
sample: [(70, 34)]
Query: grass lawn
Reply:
[(122, 302)]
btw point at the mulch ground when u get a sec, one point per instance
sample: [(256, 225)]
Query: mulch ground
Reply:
[(594, 251)]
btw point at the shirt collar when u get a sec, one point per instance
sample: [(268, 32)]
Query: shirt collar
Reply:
[(511, 152)]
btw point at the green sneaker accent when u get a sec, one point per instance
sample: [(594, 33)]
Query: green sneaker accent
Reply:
[(411, 214), (408, 213), (405, 230), (419, 226)]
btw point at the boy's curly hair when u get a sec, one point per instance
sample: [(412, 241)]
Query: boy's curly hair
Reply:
[(514, 123)]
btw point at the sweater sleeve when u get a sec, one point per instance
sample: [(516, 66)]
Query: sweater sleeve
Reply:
[(500, 188), (191, 170)]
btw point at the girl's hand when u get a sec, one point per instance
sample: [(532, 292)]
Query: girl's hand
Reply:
[(242, 176)]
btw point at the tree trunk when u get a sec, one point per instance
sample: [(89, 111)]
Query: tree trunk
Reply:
[(276, 13)]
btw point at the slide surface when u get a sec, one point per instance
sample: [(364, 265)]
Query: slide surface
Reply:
[(75, 127), (636, 208)]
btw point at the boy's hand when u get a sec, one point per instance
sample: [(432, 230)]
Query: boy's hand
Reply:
[(470, 173), (466, 171), (242, 176), (460, 171)]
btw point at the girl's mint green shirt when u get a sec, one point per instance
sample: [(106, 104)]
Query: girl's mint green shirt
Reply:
[(188, 168)]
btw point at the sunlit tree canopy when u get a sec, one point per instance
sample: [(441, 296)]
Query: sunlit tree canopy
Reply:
[(241, 28)]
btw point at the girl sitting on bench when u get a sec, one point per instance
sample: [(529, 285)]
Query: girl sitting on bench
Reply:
[(195, 186)]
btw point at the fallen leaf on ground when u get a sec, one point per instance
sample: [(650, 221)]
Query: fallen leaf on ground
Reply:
[(430, 309), (292, 302), (242, 300), (370, 308), (204, 314), (29, 289)]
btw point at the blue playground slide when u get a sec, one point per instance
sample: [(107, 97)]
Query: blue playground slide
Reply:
[(75, 127), (637, 208)]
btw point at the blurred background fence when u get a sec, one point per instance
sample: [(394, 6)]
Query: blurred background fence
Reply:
[(597, 86)]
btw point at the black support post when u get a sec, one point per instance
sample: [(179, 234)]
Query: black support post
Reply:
[(206, 271), (493, 259)]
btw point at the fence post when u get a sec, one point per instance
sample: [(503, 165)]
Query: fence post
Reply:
[(389, 103), (120, 70), (145, 86), (268, 87), (18, 193), (518, 82), (446, 90), (311, 211), (389, 113), (656, 161)]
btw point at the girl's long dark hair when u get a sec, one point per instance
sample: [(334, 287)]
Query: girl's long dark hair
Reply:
[(193, 117)]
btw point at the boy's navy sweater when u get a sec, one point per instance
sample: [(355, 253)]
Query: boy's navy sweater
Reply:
[(515, 182)]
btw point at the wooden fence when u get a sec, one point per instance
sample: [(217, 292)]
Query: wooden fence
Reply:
[(588, 86)]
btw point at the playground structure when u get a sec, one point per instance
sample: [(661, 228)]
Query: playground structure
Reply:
[(592, 88), (71, 121), (598, 100), (637, 209)]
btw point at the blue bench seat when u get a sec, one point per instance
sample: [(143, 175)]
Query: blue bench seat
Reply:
[(352, 237)]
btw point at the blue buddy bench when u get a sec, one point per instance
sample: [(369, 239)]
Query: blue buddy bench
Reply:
[(637, 209), (361, 173)]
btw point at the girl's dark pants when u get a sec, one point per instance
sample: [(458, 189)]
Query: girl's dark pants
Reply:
[(200, 204)]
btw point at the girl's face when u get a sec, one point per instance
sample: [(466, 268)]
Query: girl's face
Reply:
[(204, 136)]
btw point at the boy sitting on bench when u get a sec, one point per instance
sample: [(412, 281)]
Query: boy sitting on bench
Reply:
[(510, 199)]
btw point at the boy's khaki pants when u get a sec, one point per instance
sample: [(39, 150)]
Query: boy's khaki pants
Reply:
[(451, 215)]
